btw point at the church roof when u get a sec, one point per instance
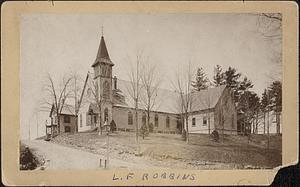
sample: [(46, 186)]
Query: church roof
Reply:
[(168, 101), (102, 55), (165, 100)]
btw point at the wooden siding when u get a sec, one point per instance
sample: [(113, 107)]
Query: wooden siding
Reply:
[(225, 112)]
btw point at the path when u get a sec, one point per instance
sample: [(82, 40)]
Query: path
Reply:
[(65, 158)]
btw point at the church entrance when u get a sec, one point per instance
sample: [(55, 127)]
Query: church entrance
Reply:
[(106, 115)]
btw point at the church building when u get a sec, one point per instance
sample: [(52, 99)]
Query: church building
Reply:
[(213, 109)]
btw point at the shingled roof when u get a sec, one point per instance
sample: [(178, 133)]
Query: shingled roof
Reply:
[(102, 55), (165, 100), (169, 101)]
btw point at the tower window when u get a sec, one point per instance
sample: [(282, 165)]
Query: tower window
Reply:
[(106, 90), (96, 71)]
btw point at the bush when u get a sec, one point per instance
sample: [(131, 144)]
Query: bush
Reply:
[(151, 127), (27, 159), (144, 131), (215, 136), (113, 126)]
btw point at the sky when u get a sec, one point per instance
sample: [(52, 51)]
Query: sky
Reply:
[(62, 43)]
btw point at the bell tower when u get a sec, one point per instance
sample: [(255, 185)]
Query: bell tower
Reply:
[(103, 78)]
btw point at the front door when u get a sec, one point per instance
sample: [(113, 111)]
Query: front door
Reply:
[(106, 115)]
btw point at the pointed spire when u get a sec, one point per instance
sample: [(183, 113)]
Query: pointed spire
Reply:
[(102, 51), (102, 55)]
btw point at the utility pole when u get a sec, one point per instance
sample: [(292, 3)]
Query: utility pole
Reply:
[(136, 101), (268, 109), (107, 153), (76, 104), (268, 129), (29, 129), (37, 125)]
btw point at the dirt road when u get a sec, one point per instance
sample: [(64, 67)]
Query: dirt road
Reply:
[(65, 158)]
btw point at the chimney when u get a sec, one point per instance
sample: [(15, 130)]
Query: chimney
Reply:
[(115, 82)]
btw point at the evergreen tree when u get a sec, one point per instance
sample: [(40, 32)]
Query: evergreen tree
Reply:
[(218, 78), (243, 87), (265, 101), (256, 110), (276, 101), (265, 105), (245, 84), (201, 81), (231, 77), (276, 96), (248, 107)]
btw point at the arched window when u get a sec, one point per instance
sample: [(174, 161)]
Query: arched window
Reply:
[(205, 120), (105, 114), (168, 122), (106, 90), (130, 118), (144, 119), (193, 122), (95, 119), (179, 124), (156, 120)]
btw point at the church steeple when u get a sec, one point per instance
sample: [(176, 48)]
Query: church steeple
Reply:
[(102, 55), (103, 79)]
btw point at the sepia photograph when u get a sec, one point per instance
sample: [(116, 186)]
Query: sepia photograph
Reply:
[(149, 93), (195, 91)]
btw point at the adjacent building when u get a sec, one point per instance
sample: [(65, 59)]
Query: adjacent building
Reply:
[(66, 122)]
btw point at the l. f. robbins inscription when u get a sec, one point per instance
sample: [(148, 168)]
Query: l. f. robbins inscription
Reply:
[(153, 176)]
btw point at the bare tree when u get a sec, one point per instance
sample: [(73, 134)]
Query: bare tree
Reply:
[(183, 87), (134, 89), (270, 27), (150, 82), (77, 88), (93, 86), (179, 108), (56, 96)]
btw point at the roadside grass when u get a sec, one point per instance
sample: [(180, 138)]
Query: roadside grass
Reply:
[(171, 151)]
